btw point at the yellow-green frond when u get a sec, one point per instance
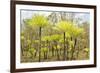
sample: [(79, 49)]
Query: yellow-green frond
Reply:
[(64, 26), (39, 20)]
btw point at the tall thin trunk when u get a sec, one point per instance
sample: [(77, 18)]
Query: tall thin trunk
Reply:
[(67, 50), (72, 57), (52, 50), (57, 50), (47, 52), (58, 55), (78, 50), (45, 55), (22, 50), (64, 55), (77, 53), (40, 44)]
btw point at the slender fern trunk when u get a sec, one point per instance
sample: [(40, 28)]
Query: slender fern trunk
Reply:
[(77, 53), (64, 54), (47, 53), (67, 50), (57, 50), (78, 50), (72, 56), (22, 51), (40, 44), (58, 58), (52, 51)]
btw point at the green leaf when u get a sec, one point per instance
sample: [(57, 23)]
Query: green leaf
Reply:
[(55, 37), (32, 50), (86, 49), (36, 41), (28, 41), (45, 38), (58, 46), (71, 43), (22, 37), (44, 49), (67, 35)]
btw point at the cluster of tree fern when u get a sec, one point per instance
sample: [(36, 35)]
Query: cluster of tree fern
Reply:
[(44, 41)]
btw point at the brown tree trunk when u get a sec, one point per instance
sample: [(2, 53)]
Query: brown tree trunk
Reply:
[(72, 56), (64, 54), (40, 44), (67, 50)]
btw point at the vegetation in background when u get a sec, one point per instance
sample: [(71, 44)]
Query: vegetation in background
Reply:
[(53, 38)]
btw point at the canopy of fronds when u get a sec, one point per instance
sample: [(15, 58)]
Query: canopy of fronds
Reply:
[(69, 28), (38, 20), (75, 31), (64, 26)]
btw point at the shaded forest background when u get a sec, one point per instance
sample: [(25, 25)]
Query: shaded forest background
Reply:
[(57, 36)]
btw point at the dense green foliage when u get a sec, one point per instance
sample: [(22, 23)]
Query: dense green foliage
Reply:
[(43, 40)]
